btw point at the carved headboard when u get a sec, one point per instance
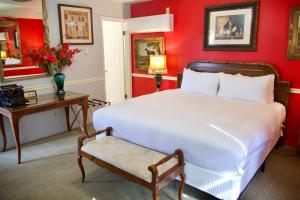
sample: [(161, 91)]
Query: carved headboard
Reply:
[(282, 88)]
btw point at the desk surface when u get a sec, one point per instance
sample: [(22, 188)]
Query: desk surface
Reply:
[(46, 99), (42, 103)]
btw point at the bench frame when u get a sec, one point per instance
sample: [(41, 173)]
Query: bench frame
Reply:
[(157, 183)]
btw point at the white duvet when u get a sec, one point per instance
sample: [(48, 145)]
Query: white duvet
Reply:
[(215, 133)]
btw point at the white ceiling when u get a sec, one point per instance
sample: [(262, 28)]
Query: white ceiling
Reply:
[(31, 9)]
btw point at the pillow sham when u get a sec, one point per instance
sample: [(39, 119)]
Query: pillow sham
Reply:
[(256, 89), (200, 82)]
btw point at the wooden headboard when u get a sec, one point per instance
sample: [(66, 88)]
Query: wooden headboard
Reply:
[(282, 88)]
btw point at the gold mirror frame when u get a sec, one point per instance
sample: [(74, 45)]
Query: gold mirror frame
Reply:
[(47, 46)]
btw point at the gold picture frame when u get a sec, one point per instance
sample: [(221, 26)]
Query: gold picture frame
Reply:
[(144, 47), (294, 35), (31, 96)]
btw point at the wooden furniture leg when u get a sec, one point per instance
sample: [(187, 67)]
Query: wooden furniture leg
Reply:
[(14, 121), (67, 113), (84, 114), (79, 161), (155, 195), (3, 132), (181, 185)]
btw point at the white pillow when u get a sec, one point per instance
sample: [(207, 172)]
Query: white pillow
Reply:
[(257, 89), (200, 82)]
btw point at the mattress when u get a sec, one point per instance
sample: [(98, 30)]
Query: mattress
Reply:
[(224, 187), (216, 134)]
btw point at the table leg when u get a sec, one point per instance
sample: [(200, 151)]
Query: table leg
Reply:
[(84, 114), (67, 113), (14, 122), (3, 132)]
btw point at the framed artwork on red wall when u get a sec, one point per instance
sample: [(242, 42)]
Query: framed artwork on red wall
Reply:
[(294, 35), (144, 47), (76, 24), (231, 26)]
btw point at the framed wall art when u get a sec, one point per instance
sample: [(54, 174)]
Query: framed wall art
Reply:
[(294, 35), (76, 24), (231, 26), (144, 47)]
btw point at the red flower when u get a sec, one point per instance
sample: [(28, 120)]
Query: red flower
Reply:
[(50, 57), (65, 46), (55, 58)]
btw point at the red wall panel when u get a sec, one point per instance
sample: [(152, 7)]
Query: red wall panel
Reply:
[(32, 37), (185, 44)]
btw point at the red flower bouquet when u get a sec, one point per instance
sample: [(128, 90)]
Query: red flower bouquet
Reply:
[(55, 59)]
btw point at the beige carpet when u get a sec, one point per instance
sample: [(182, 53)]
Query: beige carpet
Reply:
[(49, 171)]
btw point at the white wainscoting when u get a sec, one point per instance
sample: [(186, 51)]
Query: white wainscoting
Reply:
[(67, 83)]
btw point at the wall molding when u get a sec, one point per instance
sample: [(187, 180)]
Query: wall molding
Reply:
[(67, 83), (170, 78), (174, 78), (295, 90)]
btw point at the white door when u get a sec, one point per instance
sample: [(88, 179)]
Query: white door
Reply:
[(113, 50)]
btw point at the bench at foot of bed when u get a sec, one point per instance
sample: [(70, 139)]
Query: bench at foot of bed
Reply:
[(133, 162)]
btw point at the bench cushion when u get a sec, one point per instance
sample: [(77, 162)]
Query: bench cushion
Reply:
[(129, 157)]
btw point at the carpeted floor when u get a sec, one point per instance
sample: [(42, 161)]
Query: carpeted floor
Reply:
[(49, 171)]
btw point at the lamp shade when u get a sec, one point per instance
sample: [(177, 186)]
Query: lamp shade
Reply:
[(157, 64), (2, 36), (3, 55)]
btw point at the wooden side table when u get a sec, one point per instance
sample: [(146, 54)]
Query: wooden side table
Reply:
[(44, 103)]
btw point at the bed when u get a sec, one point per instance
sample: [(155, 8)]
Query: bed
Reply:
[(225, 141)]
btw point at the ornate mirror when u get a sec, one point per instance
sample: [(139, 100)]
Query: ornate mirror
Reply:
[(23, 27)]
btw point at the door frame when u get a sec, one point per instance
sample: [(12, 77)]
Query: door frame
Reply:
[(126, 56)]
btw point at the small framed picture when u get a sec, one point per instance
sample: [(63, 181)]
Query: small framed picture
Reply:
[(294, 35), (144, 47), (31, 96), (231, 26), (76, 24)]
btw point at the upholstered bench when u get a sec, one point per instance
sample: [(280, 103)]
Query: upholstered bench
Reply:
[(135, 163)]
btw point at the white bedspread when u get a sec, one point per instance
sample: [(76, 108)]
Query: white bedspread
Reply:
[(215, 133)]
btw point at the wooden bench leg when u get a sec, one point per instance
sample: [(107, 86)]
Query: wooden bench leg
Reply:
[(181, 185), (155, 195), (79, 160)]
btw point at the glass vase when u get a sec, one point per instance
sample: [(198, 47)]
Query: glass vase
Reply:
[(59, 79)]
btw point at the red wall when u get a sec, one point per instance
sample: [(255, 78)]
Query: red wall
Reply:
[(185, 44), (32, 37)]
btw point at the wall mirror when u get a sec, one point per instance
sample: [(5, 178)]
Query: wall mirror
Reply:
[(23, 27)]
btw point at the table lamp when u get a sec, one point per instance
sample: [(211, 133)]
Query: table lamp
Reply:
[(158, 67)]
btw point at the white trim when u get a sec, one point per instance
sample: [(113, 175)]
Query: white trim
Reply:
[(174, 78), (68, 83), (295, 90), (127, 64), (22, 76), (16, 68), (170, 78)]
